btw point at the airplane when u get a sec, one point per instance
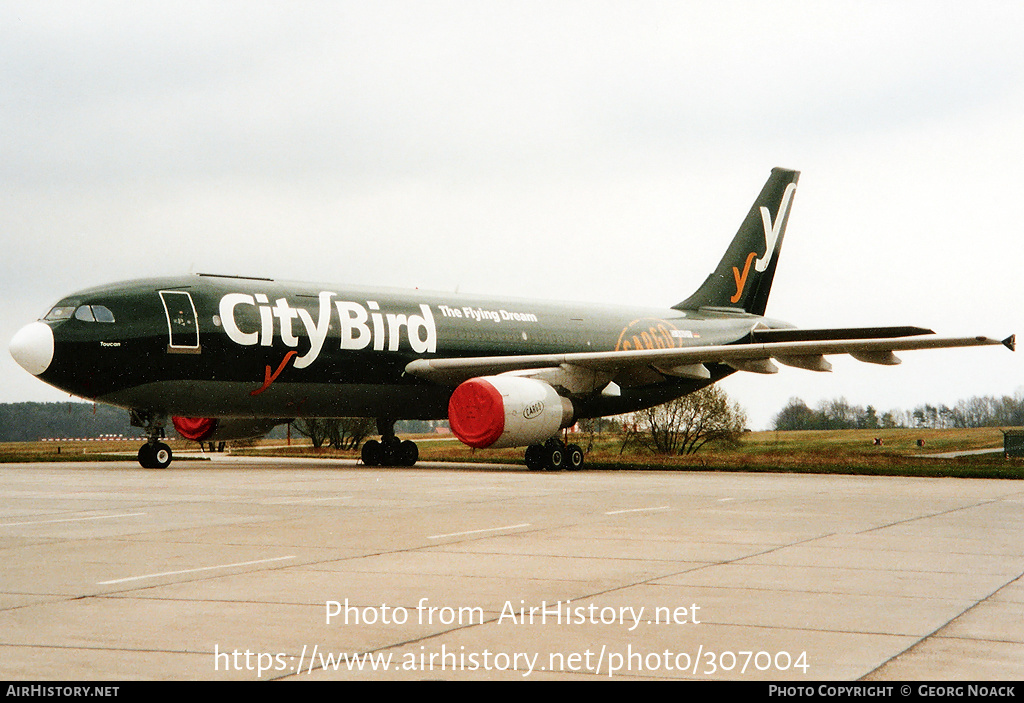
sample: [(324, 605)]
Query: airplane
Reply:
[(225, 357)]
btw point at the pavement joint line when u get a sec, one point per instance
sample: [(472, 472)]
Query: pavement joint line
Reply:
[(943, 626), (929, 516)]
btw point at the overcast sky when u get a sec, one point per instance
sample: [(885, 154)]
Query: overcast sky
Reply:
[(592, 151)]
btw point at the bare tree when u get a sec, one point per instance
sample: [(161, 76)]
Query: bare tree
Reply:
[(592, 427), (349, 432), (686, 424), (340, 433), (314, 428)]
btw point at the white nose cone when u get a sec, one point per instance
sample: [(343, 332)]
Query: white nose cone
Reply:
[(32, 347)]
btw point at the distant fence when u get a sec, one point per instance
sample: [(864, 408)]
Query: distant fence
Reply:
[(101, 438)]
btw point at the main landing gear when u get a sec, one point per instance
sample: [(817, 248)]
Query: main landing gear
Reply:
[(389, 451), (154, 454), (554, 455)]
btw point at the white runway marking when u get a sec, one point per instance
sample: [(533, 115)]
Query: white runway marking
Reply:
[(636, 510), (474, 532), (192, 571), (296, 501), (69, 519)]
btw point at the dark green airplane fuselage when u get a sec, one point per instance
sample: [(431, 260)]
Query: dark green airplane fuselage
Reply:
[(219, 346)]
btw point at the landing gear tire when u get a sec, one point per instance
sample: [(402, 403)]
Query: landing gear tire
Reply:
[(372, 453), (573, 457), (163, 456), (392, 453), (535, 457), (156, 455), (408, 453), (554, 454), (389, 451)]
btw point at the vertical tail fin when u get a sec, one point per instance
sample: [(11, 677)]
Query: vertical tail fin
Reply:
[(744, 275)]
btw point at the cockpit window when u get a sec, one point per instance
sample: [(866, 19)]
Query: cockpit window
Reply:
[(102, 313), (60, 312), (93, 313)]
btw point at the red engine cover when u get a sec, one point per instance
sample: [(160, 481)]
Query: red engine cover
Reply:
[(195, 428), (476, 413)]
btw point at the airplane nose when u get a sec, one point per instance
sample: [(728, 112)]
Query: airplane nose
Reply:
[(32, 347)]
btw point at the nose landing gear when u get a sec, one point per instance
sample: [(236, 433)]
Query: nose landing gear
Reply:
[(154, 454)]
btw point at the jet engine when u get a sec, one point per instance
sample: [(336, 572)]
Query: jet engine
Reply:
[(507, 411), (212, 429)]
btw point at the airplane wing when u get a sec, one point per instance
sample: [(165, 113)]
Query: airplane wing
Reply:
[(587, 371)]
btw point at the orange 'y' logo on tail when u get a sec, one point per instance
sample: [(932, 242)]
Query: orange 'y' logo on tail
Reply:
[(741, 278)]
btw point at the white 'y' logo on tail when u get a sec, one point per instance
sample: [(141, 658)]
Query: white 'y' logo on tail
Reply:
[(771, 230)]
